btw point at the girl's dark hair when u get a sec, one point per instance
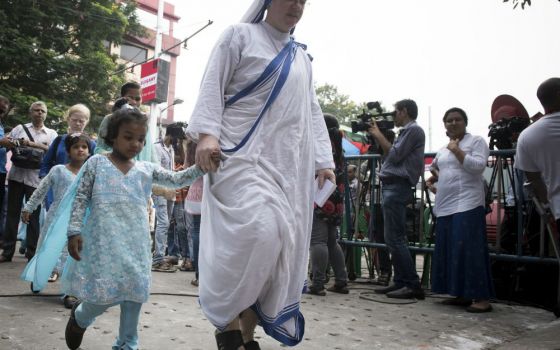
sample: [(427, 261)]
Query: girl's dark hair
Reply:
[(457, 110), (336, 139), (120, 117), (119, 102), (73, 139)]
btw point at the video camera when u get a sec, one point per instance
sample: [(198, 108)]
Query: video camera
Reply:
[(383, 120), (363, 122), (504, 133)]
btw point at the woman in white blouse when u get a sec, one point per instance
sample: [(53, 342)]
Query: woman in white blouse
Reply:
[(461, 264)]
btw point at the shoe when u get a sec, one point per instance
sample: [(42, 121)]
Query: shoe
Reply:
[(252, 345), (54, 277), (339, 289), (383, 279), (163, 266), (74, 333), (315, 291), (172, 260), (229, 340), (4, 259), (388, 289), (477, 310), (186, 265), (407, 293), (456, 301), (195, 282), (69, 301)]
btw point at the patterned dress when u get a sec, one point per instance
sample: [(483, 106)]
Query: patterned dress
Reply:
[(58, 179), (110, 211)]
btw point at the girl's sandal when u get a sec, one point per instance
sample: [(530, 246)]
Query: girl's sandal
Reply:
[(54, 277)]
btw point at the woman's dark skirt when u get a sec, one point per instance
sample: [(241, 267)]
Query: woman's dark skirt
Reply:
[(461, 264)]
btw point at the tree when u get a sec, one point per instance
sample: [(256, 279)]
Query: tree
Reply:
[(522, 2), (340, 105), (57, 51)]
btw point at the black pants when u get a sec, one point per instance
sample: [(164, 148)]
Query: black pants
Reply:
[(17, 191), (2, 194)]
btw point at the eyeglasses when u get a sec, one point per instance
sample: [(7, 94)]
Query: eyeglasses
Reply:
[(135, 98)]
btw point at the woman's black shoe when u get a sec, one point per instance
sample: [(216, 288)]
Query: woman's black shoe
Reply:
[(229, 340), (252, 345)]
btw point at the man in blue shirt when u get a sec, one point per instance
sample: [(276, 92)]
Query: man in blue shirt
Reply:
[(402, 166)]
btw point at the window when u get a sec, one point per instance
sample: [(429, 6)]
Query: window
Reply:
[(133, 53)]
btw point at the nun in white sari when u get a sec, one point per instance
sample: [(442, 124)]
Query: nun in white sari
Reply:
[(257, 103)]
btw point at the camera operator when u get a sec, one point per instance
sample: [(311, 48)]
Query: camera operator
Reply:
[(403, 164), (537, 149)]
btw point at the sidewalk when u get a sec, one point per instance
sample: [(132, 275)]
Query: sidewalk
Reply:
[(360, 320)]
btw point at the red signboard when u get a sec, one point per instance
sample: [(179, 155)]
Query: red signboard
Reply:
[(154, 80), (148, 80)]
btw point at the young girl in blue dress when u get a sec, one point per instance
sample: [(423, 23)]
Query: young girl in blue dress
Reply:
[(78, 148), (108, 231)]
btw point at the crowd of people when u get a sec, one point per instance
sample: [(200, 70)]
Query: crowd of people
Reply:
[(233, 195)]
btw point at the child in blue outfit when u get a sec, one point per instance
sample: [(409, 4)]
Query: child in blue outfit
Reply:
[(59, 179), (108, 232)]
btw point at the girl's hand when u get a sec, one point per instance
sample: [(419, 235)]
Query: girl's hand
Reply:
[(75, 247), (25, 216), (207, 145)]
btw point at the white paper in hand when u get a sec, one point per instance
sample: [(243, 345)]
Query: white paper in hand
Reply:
[(322, 194)]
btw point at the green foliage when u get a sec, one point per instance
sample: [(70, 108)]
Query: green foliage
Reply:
[(338, 104), (55, 51), (522, 2)]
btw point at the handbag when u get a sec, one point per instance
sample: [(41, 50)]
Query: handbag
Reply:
[(27, 157)]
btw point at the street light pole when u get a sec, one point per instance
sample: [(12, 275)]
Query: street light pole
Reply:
[(176, 101), (157, 52)]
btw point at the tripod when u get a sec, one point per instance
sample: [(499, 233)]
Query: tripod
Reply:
[(503, 160), (545, 220)]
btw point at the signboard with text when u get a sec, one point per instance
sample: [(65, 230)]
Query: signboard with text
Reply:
[(154, 79)]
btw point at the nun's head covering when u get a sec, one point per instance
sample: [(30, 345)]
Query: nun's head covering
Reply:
[(255, 14)]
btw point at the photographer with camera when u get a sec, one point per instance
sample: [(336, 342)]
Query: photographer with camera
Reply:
[(537, 149), (31, 141), (402, 166)]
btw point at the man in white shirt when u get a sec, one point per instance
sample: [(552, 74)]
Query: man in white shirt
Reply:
[(537, 149), (22, 182), (164, 207)]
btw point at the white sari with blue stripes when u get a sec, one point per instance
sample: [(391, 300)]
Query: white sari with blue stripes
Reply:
[(257, 208)]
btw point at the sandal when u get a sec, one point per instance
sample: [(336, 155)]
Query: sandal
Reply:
[(229, 340), (252, 345), (54, 277), (74, 333), (69, 301), (477, 310), (186, 265), (456, 301)]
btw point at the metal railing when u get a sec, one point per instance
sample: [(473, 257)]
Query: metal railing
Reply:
[(500, 161)]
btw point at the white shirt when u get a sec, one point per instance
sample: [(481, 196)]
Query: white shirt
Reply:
[(44, 135), (538, 150), (460, 187)]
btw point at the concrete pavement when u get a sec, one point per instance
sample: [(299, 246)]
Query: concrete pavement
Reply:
[(360, 320)]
